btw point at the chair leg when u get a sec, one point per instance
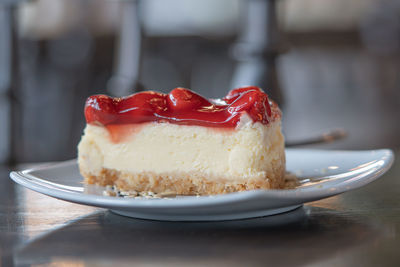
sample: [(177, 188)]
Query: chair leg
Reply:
[(125, 79), (257, 48), (9, 80)]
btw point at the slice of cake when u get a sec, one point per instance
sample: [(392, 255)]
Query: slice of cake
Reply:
[(181, 143)]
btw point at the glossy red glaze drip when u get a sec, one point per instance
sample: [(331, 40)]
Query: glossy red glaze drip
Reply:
[(180, 106)]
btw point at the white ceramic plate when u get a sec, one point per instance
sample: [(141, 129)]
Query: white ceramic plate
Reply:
[(323, 173)]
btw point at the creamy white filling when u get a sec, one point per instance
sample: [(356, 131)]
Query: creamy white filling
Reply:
[(251, 150)]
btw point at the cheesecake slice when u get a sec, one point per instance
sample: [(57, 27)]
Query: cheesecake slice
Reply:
[(181, 143)]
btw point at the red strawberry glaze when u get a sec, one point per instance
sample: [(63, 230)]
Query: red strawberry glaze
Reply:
[(181, 106)]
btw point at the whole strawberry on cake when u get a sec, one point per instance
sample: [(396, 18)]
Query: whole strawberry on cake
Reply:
[(182, 143)]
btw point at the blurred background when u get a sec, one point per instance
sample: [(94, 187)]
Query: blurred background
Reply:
[(330, 64)]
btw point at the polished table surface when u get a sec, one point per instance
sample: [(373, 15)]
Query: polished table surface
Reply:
[(357, 228)]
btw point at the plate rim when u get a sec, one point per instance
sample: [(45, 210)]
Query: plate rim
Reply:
[(23, 178)]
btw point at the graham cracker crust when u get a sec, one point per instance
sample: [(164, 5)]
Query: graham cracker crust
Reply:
[(179, 183)]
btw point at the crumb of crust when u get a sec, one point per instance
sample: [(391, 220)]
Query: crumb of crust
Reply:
[(113, 191), (291, 182)]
